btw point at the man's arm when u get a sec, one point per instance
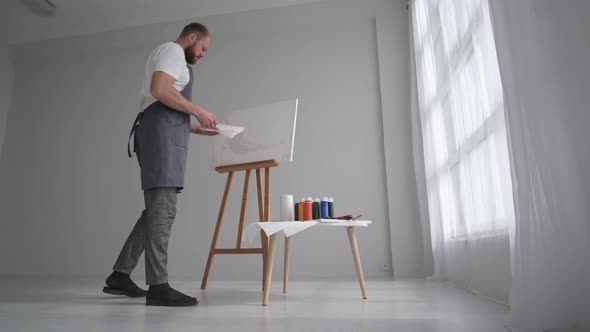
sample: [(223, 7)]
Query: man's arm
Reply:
[(162, 88)]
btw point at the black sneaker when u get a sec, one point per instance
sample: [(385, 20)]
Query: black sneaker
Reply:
[(164, 295), (121, 284)]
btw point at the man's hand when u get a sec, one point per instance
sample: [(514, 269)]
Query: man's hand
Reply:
[(206, 119), (196, 129)]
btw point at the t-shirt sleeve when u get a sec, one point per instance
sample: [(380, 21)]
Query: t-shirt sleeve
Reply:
[(171, 61)]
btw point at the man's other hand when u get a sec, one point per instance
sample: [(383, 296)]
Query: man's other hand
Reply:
[(196, 129)]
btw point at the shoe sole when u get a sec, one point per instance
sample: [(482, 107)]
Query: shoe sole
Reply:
[(158, 303), (124, 292)]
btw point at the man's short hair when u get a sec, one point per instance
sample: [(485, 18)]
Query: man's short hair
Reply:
[(197, 28)]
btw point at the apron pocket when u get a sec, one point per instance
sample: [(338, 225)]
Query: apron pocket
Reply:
[(181, 135)]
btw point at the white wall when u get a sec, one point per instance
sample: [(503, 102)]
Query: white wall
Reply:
[(6, 84), (6, 81), (70, 195), (407, 251)]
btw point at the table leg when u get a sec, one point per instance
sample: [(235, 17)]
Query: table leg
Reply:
[(286, 265), (357, 259), (269, 264)]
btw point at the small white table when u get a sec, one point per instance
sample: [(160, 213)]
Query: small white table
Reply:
[(290, 228)]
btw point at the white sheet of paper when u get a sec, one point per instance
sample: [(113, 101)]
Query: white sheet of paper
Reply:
[(227, 131)]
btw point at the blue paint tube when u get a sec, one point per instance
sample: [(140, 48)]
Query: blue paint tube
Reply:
[(325, 209)]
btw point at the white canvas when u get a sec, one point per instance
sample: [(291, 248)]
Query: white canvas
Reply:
[(269, 134)]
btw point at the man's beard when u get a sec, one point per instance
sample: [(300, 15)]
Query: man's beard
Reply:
[(189, 56)]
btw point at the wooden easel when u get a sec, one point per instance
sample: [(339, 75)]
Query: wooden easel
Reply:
[(263, 211)]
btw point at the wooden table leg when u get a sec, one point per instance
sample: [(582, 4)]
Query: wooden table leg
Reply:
[(269, 264), (264, 244), (286, 265), (263, 237), (357, 259), (266, 216)]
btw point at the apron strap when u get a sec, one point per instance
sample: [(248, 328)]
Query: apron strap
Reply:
[(133, 128)]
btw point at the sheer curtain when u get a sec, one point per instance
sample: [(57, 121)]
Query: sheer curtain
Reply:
[(543, 51), (467, 170)]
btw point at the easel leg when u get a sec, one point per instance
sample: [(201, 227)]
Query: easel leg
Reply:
[(267, 194), (269, 266), (243, 209), (286, 265), (357, 259), (230, 176)]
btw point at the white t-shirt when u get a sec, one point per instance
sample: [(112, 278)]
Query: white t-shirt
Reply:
[(169, 58)]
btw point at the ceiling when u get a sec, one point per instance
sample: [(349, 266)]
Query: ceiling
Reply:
[(20, 22)]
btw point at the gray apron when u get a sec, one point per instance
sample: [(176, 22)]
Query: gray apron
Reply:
[(161, 143)]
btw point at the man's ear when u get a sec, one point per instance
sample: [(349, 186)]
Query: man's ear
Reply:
[(192, 38)]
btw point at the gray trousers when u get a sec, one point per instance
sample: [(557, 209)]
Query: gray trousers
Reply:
[(151, 233)]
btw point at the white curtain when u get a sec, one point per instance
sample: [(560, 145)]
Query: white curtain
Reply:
[(543, 51), (467, 170)]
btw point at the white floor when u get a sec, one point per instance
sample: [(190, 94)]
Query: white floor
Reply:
[(405, 306)]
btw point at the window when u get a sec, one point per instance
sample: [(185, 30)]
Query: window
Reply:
[(462, 117)]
